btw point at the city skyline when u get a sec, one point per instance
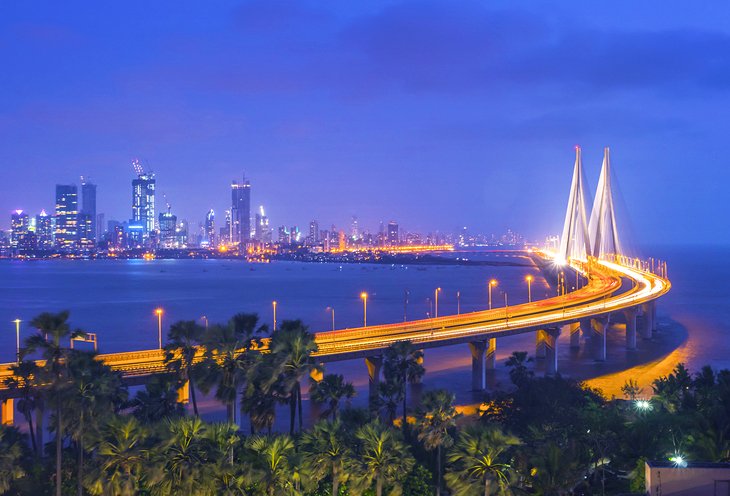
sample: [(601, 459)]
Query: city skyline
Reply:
[(335, 108)]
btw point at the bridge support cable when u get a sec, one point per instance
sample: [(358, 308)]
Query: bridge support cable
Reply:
[(575, 242), (602, 225)]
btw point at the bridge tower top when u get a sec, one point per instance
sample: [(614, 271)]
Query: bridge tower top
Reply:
[(602, 225), (575, 243)]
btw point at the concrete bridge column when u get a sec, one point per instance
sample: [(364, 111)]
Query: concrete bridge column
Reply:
[(8, 411), (420, 362), (598, 338), (574, 330), (653, 316), (647, 325), (630, 315), (477, 349), (374, 364), (551, 350), (183, 393), (490, 354), (317, 374), (540, 344)]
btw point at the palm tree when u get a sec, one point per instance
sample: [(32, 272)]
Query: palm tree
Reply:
[(293, 346), (52, 329), (181, 461), (402, 364), (120, 457), (326, 452), (261, 394), (158, 400), (24, 383), (183, 340), (94, 391), (437, 418), (518, 373), (269, 464), (11, 454), (331, 390), (480, 462), (382, 457), (390, 394), (228, 356)]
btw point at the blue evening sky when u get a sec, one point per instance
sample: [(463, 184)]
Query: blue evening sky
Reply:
[(434, 114)]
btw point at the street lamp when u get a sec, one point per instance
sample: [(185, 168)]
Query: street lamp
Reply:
[(529, 288), (492, 283), (364, 297), (273, 305), (436, 298), (158, 312), (331, 309), (17, 338), (458, 303), (205, 319)]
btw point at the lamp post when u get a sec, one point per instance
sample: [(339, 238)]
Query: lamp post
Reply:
[(492, 283), (159, 312), (406, 294), (17, 339), (458, 303), (331, 309), (529, 288), (364, 297), (273, 305), (436, 299), (205, 319)]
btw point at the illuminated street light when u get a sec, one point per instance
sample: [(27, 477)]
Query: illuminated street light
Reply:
[(273, 305), (436, 298), (159, 312), (364, 297), (17, 338), (492, 283), (643, 405), (679, 460), (529, 288), (205, 319), (458, 303), (331, 309)]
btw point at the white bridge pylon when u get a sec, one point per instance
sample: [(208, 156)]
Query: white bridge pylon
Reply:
[(599, 236)]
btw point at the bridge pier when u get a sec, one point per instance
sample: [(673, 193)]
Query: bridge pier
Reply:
[(630, 316), (477, 349), (183, 393), (551, 350), (490, 355), (599, 326), (647, 325), (574, 330), (374, 364), (317, 374), (419, 380), (8, 411), (540, 344)]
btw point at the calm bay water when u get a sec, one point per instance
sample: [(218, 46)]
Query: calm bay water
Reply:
[(116, 299)]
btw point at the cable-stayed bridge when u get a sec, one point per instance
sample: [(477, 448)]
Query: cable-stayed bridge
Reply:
[(616, 288)]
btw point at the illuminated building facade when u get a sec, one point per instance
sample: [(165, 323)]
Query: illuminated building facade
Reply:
[(143, 203), (241, 211), (262, 230), (393, 236), (168, 229), (44, 230), (88, 208), (209, 228), (19, 227), (67, 216)]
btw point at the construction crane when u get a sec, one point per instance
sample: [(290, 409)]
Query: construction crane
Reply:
[(138, 169)]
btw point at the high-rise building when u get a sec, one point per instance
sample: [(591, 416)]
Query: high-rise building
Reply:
[(313, 237), (262, 231), (393, 238), (354, 229), (88, 206), (210, 227), (143, 202), (19, 227), (241, 211), (67, 215), (44, 230), (100, 225), (86, 231), (168, 227)]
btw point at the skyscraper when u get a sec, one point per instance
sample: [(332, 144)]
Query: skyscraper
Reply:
[(168, 226), (210, 227), (44, 230), (241, 211), (261, 228), (19, 224), (313, 237), (67, 216), (143, 201), (393, 238), (88, 206)]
